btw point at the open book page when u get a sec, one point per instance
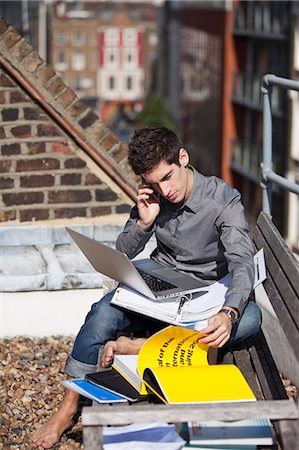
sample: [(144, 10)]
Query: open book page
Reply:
[(198, 384), (174, 366), (126, 365), (171, 346)]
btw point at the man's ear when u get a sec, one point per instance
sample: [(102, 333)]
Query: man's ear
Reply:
[(183, 157)]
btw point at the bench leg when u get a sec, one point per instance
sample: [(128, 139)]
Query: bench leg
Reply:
[(93, 437)]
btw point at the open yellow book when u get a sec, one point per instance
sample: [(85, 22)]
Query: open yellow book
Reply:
[(174, 366)]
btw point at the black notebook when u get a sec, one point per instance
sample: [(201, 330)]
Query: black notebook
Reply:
[(111, 380)]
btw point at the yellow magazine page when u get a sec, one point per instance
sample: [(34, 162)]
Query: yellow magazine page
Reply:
[(222, 383), (215, 383), (172, 346)]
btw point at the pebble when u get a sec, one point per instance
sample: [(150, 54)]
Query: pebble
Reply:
[(30, 372)]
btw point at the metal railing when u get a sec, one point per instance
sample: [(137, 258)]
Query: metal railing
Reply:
[(268, 175)]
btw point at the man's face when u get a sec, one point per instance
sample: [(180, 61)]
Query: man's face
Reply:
[(170, 180)]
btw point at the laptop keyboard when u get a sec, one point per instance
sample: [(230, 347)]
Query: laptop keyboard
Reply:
[(155, 284)]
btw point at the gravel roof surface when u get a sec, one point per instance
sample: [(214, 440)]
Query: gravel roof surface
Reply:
[(30, 390)]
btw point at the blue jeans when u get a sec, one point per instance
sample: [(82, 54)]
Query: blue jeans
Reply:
[(104, 321)]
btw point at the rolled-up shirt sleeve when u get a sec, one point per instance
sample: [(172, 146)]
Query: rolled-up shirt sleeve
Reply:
[(238, 251), (132, 239)]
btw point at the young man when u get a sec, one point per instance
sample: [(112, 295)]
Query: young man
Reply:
[(200, 227)]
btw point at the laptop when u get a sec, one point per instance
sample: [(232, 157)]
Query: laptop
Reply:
[(146, 276)]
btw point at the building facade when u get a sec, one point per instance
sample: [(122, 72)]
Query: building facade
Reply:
[(73, 50), (215, 55), (105, 51)]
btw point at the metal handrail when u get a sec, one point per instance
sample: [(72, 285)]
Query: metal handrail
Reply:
[(268, 175)]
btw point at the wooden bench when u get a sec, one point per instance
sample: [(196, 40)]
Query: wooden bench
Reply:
[(273, 351)]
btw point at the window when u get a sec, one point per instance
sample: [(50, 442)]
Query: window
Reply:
[(111, 83), (153, 39), (79, 37), (77, 83), (60, 61), (61, 38), (129, 84), (86, 83), (60, 57), (130, 36), (111, 56), (112, 36), (130, 57), (78, 61)]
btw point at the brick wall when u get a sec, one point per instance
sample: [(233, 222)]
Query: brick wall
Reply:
[(42, 176), (57, 160)]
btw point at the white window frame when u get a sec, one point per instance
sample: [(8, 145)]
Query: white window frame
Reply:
[(81, 40), (129, 36), (60, 60), (78, 61), (76, 80), (108, 52), (114, 78), (60, 63), (61, 37), (133, 53), (131, 78), (112, 36)]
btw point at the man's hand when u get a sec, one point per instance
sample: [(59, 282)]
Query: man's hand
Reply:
[(122, 346), (218, 331), (148, 205)]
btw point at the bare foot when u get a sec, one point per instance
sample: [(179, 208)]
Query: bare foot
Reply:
[(122, 346), (50, 433)]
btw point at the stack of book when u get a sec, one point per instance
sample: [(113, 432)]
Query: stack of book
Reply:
[(172, 366)]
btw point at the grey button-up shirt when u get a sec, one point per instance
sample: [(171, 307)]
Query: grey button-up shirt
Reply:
[(206, 238)]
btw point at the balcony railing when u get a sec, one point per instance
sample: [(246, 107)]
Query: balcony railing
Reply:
[(268, 175)]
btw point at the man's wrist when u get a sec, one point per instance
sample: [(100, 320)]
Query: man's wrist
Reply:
[(142, 226), (230, 308), (231, 313)]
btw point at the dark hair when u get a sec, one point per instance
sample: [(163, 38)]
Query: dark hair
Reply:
[(149, 146)]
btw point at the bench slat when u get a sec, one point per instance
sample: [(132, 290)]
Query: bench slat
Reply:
[(269, 378), (280, 249), (243, 361), (124, 414), (290, 328), (279, 276), (264, 376), (225, 357), (289, 430)]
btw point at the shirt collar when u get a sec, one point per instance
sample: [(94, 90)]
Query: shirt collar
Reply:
[(194, 199)]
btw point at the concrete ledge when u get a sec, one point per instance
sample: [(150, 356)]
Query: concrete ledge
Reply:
[(42, 313), (46, 258)]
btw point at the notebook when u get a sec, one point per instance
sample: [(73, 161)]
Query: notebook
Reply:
[(145, 276)]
